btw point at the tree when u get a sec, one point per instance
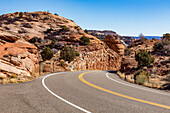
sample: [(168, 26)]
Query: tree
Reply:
[(142, 37), (84, 40), (53, 43), (67, 54), (86, 31), (144, 58), (47, 54)]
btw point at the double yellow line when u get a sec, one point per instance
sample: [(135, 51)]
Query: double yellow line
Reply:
[(118, 94)]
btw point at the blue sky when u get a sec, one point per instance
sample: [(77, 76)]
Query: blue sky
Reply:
[(126, 17)]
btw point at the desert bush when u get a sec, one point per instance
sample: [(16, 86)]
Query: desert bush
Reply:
[(67, 54), (141, 77), (77, 54), (56, 14), (62, 63), (76, 27), (64, 28), (20, 14), (47, 53), (84, 40), (128, 51), (35, 39), (99, 38), (52, 45), (86, 31), (163, 46), (144, 58)]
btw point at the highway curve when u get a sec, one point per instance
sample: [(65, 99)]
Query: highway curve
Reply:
[(83, 91)]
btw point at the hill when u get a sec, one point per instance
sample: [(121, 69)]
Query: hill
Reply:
[(27, 39)]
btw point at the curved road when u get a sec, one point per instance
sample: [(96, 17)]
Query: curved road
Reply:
[(83, 91)]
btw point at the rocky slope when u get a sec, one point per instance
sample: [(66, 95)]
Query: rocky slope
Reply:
[(19, 57), (159, 71)]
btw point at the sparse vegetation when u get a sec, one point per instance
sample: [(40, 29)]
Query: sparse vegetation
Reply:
[(68, 54), (141, 77), (52, 45), (64, 28), (84, 40), (86, 31), (62, 63), (56, 14), (35, 39), (144, 58), (77, 54), (20, 14), (47, 53), (128, 51), (99, 38), (48, 31), (163, 46)]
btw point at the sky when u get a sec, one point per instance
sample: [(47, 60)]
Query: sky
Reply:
[(126, 17)]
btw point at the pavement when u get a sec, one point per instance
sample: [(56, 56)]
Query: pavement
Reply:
[(82, 91)]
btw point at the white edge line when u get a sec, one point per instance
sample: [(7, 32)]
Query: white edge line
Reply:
[(135, 86), (43, 83)]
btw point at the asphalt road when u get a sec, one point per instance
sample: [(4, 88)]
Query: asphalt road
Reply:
[(74, 92)]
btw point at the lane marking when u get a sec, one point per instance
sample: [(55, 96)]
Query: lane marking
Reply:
[(43, 83), (118, 94), (135, 86)]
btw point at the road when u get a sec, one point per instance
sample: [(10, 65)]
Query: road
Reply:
[(82, 91)]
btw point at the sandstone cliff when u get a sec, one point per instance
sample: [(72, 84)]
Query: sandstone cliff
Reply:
[(41, 28)]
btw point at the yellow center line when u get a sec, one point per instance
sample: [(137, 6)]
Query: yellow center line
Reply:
[(118, 94)]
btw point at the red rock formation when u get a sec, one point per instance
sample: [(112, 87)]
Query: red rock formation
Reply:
[(114, 44)]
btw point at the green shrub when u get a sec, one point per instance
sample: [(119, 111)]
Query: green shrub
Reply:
[(52, 45), (144, 58), (20, 14), (48, 31), (47, 53), (99, 38), (86, 31), (67, 54), (141, 77), (76, 27), (62, 63), (77, 54), (84, 40), (64, 28)]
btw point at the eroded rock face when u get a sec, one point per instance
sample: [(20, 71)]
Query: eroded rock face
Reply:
[(15, 59), (16, 51), (114, 44), (102, 59)]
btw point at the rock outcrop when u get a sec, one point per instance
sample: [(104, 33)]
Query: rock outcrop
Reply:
[(17, 61), (24, 35), (114, 44)]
